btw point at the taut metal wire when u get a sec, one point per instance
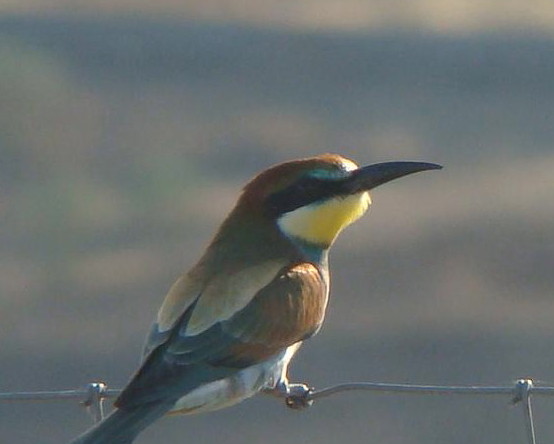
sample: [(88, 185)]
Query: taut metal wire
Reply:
[(93, 395)]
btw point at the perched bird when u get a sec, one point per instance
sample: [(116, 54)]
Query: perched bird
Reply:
[(229, 327)]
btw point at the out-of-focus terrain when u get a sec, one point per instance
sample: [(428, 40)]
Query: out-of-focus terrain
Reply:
[(124, 140)]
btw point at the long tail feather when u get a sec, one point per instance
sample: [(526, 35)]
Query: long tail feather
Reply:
[(122, 425)]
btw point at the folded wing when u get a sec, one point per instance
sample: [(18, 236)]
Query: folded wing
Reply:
[(289, 308)]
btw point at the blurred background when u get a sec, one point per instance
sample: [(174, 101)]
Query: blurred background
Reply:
[(127, 129)]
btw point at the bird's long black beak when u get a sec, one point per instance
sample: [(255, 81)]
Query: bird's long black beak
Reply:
[(371, 176)]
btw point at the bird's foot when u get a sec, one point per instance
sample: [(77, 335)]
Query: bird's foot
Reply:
[(297, 396)]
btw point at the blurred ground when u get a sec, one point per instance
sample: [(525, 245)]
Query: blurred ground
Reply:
[(124, 141)]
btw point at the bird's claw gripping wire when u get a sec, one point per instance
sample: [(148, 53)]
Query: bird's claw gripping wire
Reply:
[(297, 396)]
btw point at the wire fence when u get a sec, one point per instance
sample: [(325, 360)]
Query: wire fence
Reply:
[(94, 394)]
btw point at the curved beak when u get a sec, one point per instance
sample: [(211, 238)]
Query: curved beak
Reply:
[(371, 176)]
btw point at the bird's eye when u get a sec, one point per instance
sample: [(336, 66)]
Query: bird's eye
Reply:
[(307, 186), (300, 193)]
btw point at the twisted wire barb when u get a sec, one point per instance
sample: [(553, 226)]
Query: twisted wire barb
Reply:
[(522, 393), (92, 397)]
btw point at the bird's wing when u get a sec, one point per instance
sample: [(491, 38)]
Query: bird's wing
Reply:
[(216, 300), (180, 297), (211, 341)]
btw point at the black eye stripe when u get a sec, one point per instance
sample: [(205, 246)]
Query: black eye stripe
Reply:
[(308, 185), (303, 192)]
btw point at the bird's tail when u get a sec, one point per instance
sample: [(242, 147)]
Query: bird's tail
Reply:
[(122, 425)]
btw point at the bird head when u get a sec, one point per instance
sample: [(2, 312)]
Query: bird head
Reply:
[(313, 199)]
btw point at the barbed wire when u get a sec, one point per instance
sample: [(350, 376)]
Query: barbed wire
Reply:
[(93, 395)]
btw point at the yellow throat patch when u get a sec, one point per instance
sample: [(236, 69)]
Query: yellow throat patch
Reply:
[(320, 223)]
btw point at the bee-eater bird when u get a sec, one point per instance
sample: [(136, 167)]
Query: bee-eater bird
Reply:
[(229, 327)]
